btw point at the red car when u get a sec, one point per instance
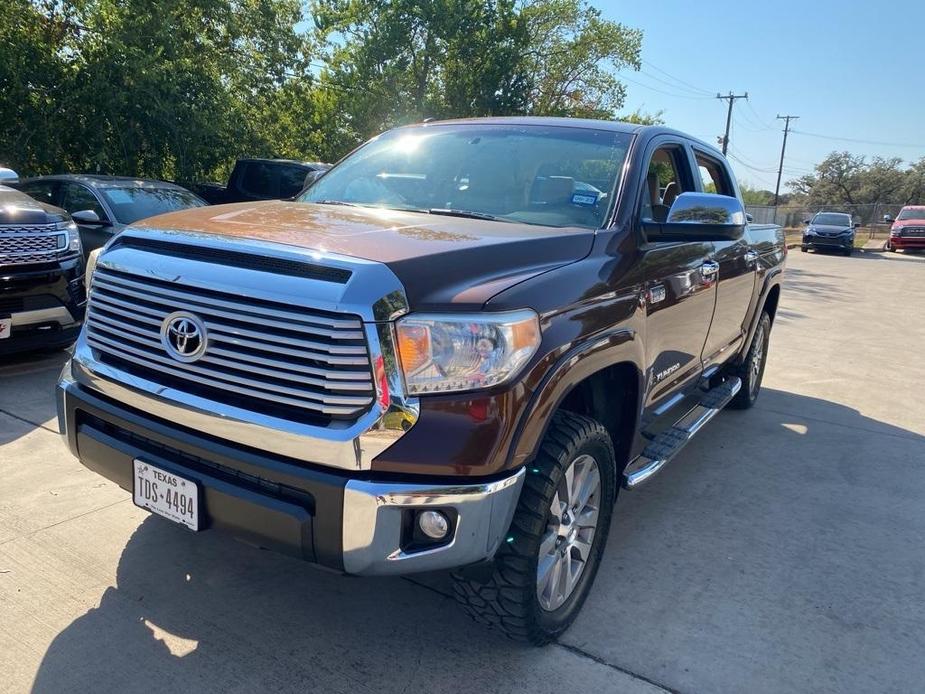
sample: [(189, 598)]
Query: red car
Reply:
[(908, 231)]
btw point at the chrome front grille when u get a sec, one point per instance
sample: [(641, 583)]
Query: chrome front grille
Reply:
[(291, 361), (30, 243)]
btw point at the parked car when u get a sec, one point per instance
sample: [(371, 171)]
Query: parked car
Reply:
[(42, 294), (908, 229), (449, 353), (262, 179), (103, 205), (829, 231)]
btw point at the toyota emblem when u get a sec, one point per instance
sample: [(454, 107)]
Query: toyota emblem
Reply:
[(183, 336)]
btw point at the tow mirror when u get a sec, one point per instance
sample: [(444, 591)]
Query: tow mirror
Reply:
[(888, 218), (8, 175)]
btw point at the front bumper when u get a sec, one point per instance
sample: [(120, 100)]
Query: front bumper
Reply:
[(347, 522), (46, 304), (910, 242), (838, 242)]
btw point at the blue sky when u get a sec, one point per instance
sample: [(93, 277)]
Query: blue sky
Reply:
[(849, 69)]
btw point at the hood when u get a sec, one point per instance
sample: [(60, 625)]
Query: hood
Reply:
[(917, 221), (19, 208), (443, 262)]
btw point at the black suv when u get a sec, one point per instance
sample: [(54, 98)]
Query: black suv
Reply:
[(42, 295)]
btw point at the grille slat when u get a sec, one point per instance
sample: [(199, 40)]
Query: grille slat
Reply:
[(29, 243), (293, 320), (307, 362)]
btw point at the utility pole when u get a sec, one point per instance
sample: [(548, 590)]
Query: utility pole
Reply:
[(731, 98), (780, 169)]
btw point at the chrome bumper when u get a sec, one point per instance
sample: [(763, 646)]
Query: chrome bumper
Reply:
[(355, 526), (373, 523)]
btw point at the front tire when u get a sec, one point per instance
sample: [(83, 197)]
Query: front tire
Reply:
[(752, 369), (803, 249), (544, 570)]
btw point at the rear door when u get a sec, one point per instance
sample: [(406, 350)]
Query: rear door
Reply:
[(679, 287), (738, 266)]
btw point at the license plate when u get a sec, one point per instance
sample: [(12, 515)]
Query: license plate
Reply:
[(166, 494), (6, 327)]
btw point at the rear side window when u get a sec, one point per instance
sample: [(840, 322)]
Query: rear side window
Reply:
[(291, 180), (713, 175), (43, 191), (259, 180)]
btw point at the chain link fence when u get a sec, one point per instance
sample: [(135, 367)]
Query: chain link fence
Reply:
[(869, 216)]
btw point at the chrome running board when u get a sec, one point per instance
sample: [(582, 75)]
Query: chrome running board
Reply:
[(669, 443)]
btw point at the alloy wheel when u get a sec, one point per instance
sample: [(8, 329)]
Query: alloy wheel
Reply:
[(566, 545)]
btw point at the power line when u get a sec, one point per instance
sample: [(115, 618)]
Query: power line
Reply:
[(732, 99), (783, 149), (690, 86), (858, 141), (662, 91)]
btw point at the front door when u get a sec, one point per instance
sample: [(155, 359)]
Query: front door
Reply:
[(679, 291), (76, 197)]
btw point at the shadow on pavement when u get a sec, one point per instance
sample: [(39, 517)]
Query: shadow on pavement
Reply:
[(755, 558), (27, 386)]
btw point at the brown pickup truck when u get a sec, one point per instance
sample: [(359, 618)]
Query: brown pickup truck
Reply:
[(450, 352)]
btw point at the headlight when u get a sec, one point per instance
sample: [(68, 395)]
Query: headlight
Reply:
[(72, 242), (446, 353), (896, 231), (810, 231)]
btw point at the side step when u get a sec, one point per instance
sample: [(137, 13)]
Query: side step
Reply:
[(669, 443)]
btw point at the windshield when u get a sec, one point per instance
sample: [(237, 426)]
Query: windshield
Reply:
[(911, 213), (832, 219), (553, 176), (130, 204)]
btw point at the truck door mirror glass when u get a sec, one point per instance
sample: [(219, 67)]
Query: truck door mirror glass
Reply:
[(706, 208), (700, 217), (86, 217), (8, 175), (888, 218)]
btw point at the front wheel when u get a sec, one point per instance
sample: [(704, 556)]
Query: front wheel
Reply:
[(752, 369), (803, 249), (543, 572)]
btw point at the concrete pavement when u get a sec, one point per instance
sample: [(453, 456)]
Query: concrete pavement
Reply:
[(781, 552)]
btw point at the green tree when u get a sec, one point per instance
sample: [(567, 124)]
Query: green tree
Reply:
[(755, 196)]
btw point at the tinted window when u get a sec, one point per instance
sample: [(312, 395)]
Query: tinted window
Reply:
[(534, 174), (43, 191), (259, 180), (665, 181), (291, 180), (833, 219), (131, 203), (77, 198), (713, 175)]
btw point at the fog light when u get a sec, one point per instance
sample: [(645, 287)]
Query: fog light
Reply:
[(433, 524)]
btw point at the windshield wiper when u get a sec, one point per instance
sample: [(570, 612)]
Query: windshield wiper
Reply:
[(468, 214), (335, 202)]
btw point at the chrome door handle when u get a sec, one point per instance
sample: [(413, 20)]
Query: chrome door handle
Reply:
[(751, 257), (709, 269)]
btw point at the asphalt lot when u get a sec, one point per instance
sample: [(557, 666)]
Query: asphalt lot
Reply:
[(781, 552)]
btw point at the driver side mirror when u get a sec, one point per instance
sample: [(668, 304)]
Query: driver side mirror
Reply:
[(807, 221), (857, 225), (700, 217), (888, 218), (87, 217)]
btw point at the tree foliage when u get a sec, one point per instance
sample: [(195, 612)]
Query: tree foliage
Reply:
[(845, 178), (179, 88)]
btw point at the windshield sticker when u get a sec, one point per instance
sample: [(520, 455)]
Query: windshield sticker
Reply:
[(584, 199)]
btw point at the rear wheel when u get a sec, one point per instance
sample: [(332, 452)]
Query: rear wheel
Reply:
[(751, 370), (543, 572)]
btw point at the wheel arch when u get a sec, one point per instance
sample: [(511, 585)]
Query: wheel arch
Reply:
[(585, 380)]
